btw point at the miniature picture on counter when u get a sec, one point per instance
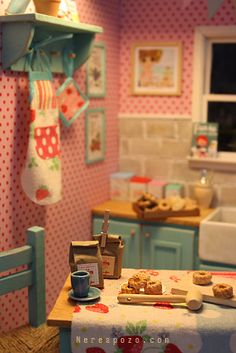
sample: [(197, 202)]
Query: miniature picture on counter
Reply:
[(96, 71), (204, 140), (95, 135), (156, 69)]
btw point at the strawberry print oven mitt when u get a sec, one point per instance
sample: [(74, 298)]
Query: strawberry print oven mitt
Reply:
[(41, 175)]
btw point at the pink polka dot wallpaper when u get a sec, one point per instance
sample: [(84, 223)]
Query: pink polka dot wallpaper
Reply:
[(164, 21), (125, 22), (84, 186)]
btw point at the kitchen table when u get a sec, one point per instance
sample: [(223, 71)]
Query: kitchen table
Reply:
[(107, 326)]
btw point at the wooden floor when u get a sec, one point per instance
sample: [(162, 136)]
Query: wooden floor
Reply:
[(26, 339)]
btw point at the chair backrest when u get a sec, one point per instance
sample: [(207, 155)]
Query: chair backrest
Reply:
[(33, 277)]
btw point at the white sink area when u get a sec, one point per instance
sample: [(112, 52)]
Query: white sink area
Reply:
[(217, 236)]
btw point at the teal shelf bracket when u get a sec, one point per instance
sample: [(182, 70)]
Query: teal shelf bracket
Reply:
[(14, 49), (84, 43), (36, 30)]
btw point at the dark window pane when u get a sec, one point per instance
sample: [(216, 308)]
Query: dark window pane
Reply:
[(224, 114), (223, 74)]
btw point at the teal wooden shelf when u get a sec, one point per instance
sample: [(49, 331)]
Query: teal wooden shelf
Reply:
[(22, 32)]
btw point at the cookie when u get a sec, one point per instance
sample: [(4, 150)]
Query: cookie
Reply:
[(153, 287), (222, 290), (202, 277)]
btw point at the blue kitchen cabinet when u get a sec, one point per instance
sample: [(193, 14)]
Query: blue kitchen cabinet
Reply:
[(130, 233), (154, 246), (167, 247)]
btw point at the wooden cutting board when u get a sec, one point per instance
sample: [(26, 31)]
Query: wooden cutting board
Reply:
[(186, 283), (149, 214)]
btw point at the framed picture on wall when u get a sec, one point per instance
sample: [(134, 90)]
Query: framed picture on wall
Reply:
[(156, 68), (95, 135), (96, 72)]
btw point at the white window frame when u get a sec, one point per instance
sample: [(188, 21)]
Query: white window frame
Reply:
[(204, 36)]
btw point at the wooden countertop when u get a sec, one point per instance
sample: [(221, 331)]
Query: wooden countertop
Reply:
[(123, 209)]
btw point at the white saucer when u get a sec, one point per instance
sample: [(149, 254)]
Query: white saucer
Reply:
[(93, 294), (142, 289)]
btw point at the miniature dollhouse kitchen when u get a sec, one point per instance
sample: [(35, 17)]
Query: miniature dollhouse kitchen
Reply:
[(117, 176)]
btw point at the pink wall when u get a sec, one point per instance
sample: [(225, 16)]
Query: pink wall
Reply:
[(83, 186), (158, 20)]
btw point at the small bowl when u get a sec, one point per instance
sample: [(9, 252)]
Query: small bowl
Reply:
[(47, 7)]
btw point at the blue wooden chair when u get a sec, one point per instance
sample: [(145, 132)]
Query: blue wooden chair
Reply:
[(33, 277), (29, 338)]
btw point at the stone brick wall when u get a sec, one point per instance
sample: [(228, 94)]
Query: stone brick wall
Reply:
[(152, 146)]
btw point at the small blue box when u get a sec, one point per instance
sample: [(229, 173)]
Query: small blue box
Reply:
[(119, 185), (172, 189)]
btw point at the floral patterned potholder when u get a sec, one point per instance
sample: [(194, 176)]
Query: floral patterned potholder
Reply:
[(72, 102)]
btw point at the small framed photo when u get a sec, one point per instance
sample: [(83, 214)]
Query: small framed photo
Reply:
[(95, 135), (96, 72), (156, 68)]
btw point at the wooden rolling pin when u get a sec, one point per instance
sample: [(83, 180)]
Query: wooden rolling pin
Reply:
[(193, 298)]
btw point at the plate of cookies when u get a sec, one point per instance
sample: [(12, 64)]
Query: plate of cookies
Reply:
[(150, 207), (141, 283)]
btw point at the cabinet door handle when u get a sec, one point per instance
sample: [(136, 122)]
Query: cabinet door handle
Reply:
[(132, 232), (147, 235)]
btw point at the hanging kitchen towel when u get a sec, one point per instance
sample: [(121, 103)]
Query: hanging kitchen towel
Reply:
[(41, 176), (72, 102)]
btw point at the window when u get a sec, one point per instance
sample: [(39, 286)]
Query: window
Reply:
[(214, 95)]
